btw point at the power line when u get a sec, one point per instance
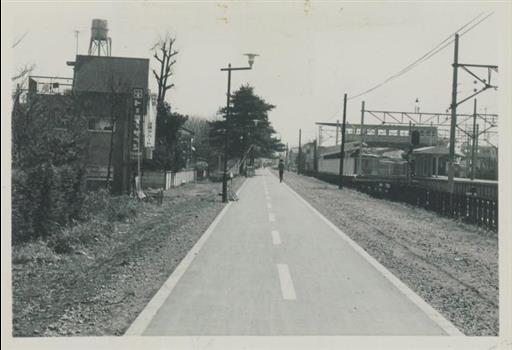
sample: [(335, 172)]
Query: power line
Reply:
[(447, 44), (443, 44)]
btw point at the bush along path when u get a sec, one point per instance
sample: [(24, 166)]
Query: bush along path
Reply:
[(96, 276), (451, 265)]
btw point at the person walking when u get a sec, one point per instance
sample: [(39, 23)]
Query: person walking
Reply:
[(281, 170)]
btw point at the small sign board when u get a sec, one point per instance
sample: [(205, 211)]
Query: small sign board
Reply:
[(138, 110)]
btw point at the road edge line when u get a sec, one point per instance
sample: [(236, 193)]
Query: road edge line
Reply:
[(432, 313), (141, 322)]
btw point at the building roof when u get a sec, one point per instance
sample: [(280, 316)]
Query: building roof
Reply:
[(389, 152), (105, 73), (439, 150), (349, 147)]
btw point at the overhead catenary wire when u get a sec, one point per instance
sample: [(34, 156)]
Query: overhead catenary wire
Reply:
[(439, 47)]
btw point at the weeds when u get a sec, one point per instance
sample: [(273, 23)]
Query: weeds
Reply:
[(99, 213), (37, 251)]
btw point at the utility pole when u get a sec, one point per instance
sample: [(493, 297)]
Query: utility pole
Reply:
[(453, 123), (342, 150), (473, 145), (361, 141), (76, 40), (226, 138), (337, 131), (315, 158), (409, 156), (286, 155), (431, 141), (300, 152)]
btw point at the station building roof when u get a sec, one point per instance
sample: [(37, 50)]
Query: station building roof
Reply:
[(439, 150)]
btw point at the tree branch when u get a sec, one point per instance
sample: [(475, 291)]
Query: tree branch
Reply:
[(157, 58)]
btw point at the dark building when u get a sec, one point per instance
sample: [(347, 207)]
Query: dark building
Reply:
[(108, 90)]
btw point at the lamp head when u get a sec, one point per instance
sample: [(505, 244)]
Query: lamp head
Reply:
[(251, 57)]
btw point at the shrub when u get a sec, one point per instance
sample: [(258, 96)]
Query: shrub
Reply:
[(43, 198), (63, 242), (48, 152)]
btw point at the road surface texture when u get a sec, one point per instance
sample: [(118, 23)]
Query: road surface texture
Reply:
[(271, 265), (451, 265)]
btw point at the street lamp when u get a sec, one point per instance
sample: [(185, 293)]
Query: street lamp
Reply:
[(229, 69), (251, 57)]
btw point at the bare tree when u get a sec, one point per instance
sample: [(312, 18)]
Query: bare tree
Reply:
[(23, 73), (164, 54)]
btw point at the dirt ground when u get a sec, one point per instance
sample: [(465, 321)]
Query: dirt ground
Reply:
[(101, 288), (453, 266)]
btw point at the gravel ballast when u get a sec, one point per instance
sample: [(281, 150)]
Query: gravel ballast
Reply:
[(451, 265)]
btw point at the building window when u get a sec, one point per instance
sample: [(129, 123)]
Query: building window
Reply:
[(91, 124)]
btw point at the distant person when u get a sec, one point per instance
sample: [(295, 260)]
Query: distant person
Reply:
[(281, 170)]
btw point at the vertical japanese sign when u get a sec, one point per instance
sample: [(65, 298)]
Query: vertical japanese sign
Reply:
[(138, 110)]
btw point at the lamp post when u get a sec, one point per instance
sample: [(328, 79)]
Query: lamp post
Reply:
[(229, 69)]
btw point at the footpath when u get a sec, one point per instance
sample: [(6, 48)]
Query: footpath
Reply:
[(272, 265)]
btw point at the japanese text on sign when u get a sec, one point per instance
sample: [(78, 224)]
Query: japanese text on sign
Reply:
[(138, 99)]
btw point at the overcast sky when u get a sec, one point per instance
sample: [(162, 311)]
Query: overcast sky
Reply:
[(311, 53)]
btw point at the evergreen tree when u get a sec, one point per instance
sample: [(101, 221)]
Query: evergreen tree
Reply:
[(247, 124)]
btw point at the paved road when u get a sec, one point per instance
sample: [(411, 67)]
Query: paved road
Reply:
[(272, 266)]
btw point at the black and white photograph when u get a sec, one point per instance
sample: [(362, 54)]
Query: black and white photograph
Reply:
[(256, 175)]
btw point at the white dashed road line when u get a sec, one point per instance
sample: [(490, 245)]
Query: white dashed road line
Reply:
[(271, 217), (276, 238), (285, 279)]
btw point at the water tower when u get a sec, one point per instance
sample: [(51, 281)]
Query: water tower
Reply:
[(100, 43)]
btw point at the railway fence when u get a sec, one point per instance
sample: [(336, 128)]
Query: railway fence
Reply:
[(468, 207)]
